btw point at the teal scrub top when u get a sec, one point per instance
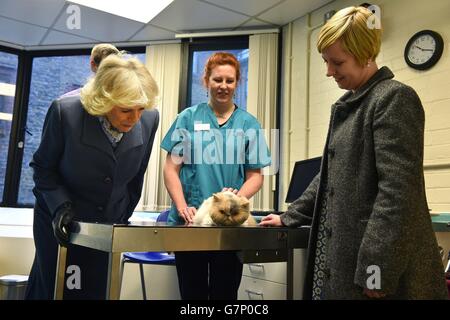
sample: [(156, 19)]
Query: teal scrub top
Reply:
[(214, 157)]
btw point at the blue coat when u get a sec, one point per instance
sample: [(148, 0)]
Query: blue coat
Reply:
[(76, 162)]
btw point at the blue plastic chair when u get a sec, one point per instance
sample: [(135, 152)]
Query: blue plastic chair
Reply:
[(157, 258)]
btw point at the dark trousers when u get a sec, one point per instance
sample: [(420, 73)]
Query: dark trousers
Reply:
[(211, 275)]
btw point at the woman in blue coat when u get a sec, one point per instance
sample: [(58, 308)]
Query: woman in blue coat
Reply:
[(90, 166)]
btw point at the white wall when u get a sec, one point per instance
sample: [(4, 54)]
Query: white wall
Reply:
[(16, 241), (305, 124), (16, 255), (161, 283)]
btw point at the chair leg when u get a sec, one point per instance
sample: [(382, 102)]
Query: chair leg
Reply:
[(141, 270)]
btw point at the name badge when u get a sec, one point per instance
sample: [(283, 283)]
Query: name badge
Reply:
[(201, 126)]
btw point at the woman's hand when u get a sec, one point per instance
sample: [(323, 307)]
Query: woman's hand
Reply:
[(61, 223), (235, 191), (271, 220), (187, 213)]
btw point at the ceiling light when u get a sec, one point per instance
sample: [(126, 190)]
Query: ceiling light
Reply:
[(138, 10)]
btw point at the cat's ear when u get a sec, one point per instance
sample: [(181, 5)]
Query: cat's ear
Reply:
[(216, 197), (245, 202)]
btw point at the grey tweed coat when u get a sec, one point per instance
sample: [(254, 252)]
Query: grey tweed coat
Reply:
[(377, 209)]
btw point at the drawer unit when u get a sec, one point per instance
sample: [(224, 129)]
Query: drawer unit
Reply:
[(257, 289), (274, 271), (269, 280)]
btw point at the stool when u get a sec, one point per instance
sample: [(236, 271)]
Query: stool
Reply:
[(13, 287), (155, 258)]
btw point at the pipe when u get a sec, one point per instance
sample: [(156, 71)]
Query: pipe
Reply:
[(308, 76)]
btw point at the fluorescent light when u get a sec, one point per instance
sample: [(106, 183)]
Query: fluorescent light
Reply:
[(225, 33), (6, 116), (7, 89), (138, 10)]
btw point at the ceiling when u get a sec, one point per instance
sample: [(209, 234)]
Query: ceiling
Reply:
[(43, 24)]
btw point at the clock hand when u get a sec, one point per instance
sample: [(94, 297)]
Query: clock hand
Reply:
[(427, 49), (419, 47)]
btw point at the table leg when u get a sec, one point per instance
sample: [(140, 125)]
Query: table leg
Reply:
[(60, 272), (113, 281), (290, 275)]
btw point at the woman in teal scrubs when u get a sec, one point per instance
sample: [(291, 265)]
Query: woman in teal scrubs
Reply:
[(212, 147)]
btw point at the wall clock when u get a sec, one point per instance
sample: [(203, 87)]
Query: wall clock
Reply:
[(424, 49)]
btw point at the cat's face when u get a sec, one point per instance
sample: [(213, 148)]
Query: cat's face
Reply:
[(229, 209)]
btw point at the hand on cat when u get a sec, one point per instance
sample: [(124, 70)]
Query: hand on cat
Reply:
[(271, 220), (235, 191), (187, 214)]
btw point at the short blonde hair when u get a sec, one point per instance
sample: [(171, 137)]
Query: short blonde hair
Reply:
[(101, 51), (351, 26), (120, 81)]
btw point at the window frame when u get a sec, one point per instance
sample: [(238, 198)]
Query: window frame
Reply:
[(13, 153), (203, 44), (190, 45)]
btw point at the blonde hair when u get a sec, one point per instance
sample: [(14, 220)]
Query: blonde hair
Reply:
[(119, 82), (101, 51), (351, 26)]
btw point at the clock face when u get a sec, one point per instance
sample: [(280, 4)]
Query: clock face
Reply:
[(424, 50)]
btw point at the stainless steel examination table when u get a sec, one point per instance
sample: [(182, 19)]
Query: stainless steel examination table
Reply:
[(253, 243)]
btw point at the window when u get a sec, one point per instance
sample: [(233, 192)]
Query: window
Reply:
[(51, 77), (199, 52), (198, 91), (8, 76)]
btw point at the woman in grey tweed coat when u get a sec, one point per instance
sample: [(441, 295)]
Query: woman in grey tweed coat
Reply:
[(371, 234)]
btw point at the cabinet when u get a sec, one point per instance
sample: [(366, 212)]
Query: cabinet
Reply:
[(263, 281), (267, 281)]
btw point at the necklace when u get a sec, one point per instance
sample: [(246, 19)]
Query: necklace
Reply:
[(225, 114), (222, 116)]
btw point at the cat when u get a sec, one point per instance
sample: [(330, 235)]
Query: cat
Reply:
[(225, 209)]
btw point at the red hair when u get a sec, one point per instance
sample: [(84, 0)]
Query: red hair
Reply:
[(220, 59)]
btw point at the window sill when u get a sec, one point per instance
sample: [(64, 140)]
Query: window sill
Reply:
[(18, 222)]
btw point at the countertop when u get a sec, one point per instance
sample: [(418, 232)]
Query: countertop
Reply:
[(441, 222)]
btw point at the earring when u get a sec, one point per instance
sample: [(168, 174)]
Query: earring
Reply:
[(207, 93)]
